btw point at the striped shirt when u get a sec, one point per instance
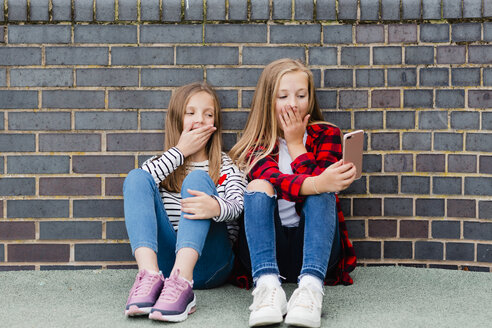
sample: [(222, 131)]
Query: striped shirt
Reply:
[(230, 188)]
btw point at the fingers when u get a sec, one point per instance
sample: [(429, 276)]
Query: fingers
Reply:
[(196, 192), (306, 120)]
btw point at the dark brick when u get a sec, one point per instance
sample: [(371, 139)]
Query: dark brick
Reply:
[(368, 249), (369, 33), (69, 267), (98, 208), (171, 11), (462, 163), (446, 229), (303, 10), (411, 9), (116, 230), (234, 120), (169, 77), (181, 33), (385, 98), (69, 186), (355, 56), (340, 119), (17, 142), (486, 121), (107, 77), (194, 10), (18, 99), (281, 9), (357, 187), (434, 32), (69, 142), (103, 252), (402, 33), (477, 230), (17, 267), (135, 142), (397, 249), (446, 186), (383, 185), (39, 121), (106, 120), (347, 9), (353, 99), (369, 10), (487, 77), (475, 268), (451, 9), (2, 249), (382, 228), (136, 99), (70, 230), (398, 207), (448, 141), (419, 55), (127, 10), (322, 56), (144, 55), (83, 10), (398, 163), (461, 208), (385, 141), (487, 31), (17, 230), (39, 34), (400, 120), (368, 120), (227, 33), (78, 55), (260, 9), (414, 229), (417, 98), (479, 142), (466, 32), (336, 33), (265, 55), (434, 77), (17, 56), (402, 77), (37, 208), (105, 34), (356, 228), (227, 99), (371, 163), (430, 163), (386, 55), (208, 55), (233, 77), (66, 99), (451, 55), (481, 186), (425, 250), (429, 207), (460, 252), (390, 10), (367, 207), (327, 99), (62, 10), (415, 185), (480, 98), (38, 252), (450, 98), (480, 54), (102, 164), (114, 186), (338, 78), (433, 120), (153, 120), (229, 140), (17, 186), (485, 164), (416, 141), (53, 77), (472, 8), (484, 253)]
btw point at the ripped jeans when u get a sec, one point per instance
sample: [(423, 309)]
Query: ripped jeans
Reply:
[(311, 248), (148, 225)]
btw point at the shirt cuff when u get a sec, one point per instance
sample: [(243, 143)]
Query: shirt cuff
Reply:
[(302, 160), (222, 216)]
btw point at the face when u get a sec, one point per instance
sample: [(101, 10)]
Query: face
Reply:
[(199, 111), (293, 91)]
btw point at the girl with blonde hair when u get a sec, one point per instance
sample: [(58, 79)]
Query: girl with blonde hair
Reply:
[(293, 225), (181, 209)]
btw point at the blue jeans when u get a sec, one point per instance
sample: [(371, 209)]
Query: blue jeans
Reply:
[(148, 225), (319, 242)]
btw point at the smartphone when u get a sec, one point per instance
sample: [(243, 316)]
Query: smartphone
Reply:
[(353, 145)]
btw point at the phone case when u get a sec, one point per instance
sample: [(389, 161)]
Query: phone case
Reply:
[(353, 145)]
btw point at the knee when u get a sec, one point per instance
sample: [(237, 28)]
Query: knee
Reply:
[(197, 179), (262, 186), (137, 175), (325, 197)]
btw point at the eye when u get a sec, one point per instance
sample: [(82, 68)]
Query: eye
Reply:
[(210, 115), (302, 96), (189, 113), (282, 97)]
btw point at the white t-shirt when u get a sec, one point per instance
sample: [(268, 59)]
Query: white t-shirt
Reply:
[(286, 209)]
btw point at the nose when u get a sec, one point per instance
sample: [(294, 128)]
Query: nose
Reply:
[(293, 102)]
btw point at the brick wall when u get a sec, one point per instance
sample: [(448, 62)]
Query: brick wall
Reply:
[(84, 86)]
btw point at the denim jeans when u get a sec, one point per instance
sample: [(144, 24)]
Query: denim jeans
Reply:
[(318, 245), (148, 225)]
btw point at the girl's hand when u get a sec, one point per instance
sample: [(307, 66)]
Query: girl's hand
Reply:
[(336, 177), (191, 141), (201, 206), (293, 125)]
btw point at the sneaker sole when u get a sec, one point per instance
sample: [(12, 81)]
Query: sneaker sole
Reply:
[(265, 321), (157, 315), (301, 322), (136, 311)]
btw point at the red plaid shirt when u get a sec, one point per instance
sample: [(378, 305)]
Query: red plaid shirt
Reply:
[(324, 148)]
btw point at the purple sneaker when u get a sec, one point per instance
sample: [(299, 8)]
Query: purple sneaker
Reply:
[(177, 300), (144, 293)]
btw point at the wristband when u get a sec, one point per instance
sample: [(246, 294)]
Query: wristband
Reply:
[(314, 187)]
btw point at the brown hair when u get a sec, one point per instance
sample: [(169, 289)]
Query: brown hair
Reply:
[(174, 128)]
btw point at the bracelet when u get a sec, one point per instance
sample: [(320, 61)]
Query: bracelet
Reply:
[(314, 187)]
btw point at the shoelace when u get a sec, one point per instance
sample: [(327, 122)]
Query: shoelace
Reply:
[(145, 282), (305, 297), (263, 297), (173, 288)]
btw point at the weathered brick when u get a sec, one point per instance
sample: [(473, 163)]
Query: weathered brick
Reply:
[(480, 98), (479, 142), (3, 77), (173, 34), (17, 10), (383, 185), (402, 33), (17, 142), (451, 55), (466, 76), (233, 77), (105, 34), (17, 230), (461, 208), (340, 119), (337, 33), (367, 207), (102, 164), (246, 99), (400, 120), (430, 162), (386, 55), (355, 56), (39, 121), (385, 98), (487, 9), (294, 34), (434, 77), (382, 228), (485, 209), (83, 10), (356, 188), (38, 252), (216, 10), (433, 120), (207, 55), (69, 142), (338, 78), (481, 186), (430, 207), (398, 207), (347, 9), (426, 250), (238, 10), (487, 77), (446, 186), (451, 9), (402, 77), (356, 228), (127, 10), (462, 163), (38, 164), (367, 249), (414, 229), (369, 77), (397, 249), (390, 10), (485, 164), (18, 99), (465, 120), (17, 186), (434, 32), (135, 142), (486, 121), (194, 10), (446, 229), (484, 251), (39, 10), (106, 120), (369, 33), (368, 120), (53, 77), (57, 230), (118, 77), (142, 55), (116, 230), (353, 99), (170, 76), (171, 11), (466, 32), (227, 98), (419, 55), (371, 163), (88, 208), (234, 120), (46, 208), (114, 187), (136, 99), (415, 185), (322, 56), (487, 31), (265, 55), (103, 252), (385, 141), (73, 99), (227, 33), (20, 56), (62, 10), (77, 55), (398, 163), (448, 141), (69, 186), (229, 140), (460, 252), (480, 54), (149, 10), (411, 9), (39, 34), (316, 77), (369, 10), (303, 10), (472, 8), (417, 98)]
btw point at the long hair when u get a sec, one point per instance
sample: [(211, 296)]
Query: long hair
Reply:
[(174, 128), (262, 129)]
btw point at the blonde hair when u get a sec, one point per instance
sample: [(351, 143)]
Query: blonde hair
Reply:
[(174, 128), (262, 128)]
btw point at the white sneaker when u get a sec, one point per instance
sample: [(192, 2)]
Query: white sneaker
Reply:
[(304, 308), (269, 306)]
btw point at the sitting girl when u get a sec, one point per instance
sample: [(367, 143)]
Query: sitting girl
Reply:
[(181, 208), (293, 225)]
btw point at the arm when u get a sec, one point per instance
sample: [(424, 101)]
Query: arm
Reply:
[(161, 167)]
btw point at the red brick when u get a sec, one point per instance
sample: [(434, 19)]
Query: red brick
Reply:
[(114, 186), (414, 229), (385, 99), (17, 230), (382, 228), (69, 186), (38, 253)]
